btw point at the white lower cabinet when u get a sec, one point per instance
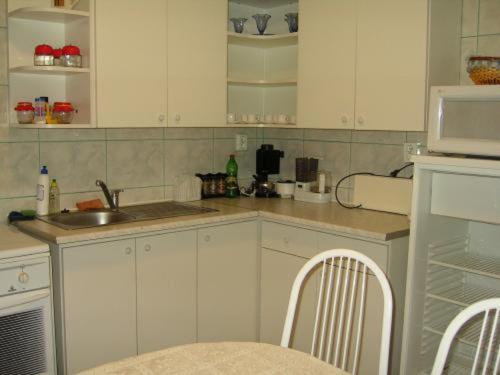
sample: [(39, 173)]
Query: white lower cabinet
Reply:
[(99, 304), (285, 249), (228, 283), (166, 290)]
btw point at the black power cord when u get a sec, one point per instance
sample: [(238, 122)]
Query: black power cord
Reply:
[(394, 174)]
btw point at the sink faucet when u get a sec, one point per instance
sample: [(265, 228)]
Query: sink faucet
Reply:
[(112, 197)]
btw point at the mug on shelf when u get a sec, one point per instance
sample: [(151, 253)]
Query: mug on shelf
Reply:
[(268, 119), (252, 118), (231, 118), (282, 118)]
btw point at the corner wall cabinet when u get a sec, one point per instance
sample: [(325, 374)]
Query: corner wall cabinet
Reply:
[(33, 23), (262, 69)]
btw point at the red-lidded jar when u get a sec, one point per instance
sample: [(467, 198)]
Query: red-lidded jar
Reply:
[(71, 56), (57, 56), (43, 55), (63, 112), (25, 112)]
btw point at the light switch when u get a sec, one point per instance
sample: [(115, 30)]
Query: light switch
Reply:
[(241, 142)]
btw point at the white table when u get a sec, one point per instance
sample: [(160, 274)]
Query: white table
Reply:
[(219, 358)]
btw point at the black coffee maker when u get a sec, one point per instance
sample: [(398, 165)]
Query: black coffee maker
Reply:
[(268, 162)]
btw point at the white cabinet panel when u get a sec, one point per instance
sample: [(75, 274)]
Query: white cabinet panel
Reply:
[(327, 63), (278, 272), (197, 62), (166, 290), (227, 283), (99, 303), (131, 53), (391, 65)]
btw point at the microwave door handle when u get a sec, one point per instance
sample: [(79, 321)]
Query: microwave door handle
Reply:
[(22, 299)]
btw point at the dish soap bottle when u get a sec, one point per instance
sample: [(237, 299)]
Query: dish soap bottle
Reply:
[(232, 189), (54, 202), (42, 193)]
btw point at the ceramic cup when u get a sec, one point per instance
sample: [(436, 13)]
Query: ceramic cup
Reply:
[(268, 119), (282, 118), (244, 118), (293, 119), (276, 119), (252, 118), (231, 118)]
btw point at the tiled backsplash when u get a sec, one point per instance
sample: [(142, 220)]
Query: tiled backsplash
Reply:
[(480, 31)]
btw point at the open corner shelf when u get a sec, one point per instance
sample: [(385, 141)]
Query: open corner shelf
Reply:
[(52, 126), (48, 70), (266, 41), (48, 14)]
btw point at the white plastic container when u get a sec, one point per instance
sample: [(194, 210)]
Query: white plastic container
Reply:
[(42, 193)]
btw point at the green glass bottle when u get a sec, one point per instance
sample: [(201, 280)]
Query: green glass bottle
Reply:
[(232, 189)]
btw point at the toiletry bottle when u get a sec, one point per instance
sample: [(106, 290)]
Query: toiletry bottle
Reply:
[(42, 195), (232, 189), (54, 202)]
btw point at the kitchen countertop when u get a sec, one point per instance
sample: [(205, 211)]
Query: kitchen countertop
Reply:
[(14, 243), (329, 216)]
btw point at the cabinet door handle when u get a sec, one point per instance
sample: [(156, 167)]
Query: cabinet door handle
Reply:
[(128, 250), (361, 120), (177, 117), (161, 117), (147, 247), (286, 240), (207, 238), (344, 119)]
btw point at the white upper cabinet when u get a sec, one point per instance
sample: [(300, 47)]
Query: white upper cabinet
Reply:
[(391, 65), (197, 62), (131, 53), (362, 64), (326, 63)]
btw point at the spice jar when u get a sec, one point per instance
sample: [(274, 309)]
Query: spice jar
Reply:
[(25, 112), (43, 55), (221, 183), (63, 112), (71, 56), (213, 184)]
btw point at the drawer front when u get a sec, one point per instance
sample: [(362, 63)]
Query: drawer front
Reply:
[(466, 196), (292, 240), (377, 252)]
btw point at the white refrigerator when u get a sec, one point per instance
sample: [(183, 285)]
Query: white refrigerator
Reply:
[(454, 257)]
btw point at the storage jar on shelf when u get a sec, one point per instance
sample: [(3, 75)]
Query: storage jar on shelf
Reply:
[(63, 112), (25, 113)]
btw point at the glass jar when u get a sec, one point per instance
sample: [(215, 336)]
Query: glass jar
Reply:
[(63, 112), (25, 113)]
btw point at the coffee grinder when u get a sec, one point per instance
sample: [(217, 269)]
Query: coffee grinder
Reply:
[(268, 162)]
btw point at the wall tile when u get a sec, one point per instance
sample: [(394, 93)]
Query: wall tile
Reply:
[(15, 204), (134, 134), (143, 195), (8, 134), (75, 165), (19, 166), (374, 158), (470, 10), (134, 164), (489, 17), (188, 133), (245, 159), (327, 135), (382, 137), (334, 157), (468, 48), (220, 133), (489, 45), (72, 134), (275, 133), (292, 149), (187, 157), (4, 104), (3, 56), (416, 137)]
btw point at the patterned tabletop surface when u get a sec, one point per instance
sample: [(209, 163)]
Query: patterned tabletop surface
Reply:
[(217, 359)]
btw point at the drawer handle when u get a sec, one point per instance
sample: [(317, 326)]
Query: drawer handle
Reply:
[(207, 238), (286, 240), (147, 247), (128, 250)]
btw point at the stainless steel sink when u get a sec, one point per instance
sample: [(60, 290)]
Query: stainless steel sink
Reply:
[(88, 219)]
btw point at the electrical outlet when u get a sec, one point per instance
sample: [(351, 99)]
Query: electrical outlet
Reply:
[(241, 142), (411, 149)]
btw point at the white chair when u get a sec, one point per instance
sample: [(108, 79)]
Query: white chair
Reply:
[(338, 302), (487, 357)]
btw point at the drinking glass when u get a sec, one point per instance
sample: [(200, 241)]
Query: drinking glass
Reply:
[(239, 23), (293, 22), (261, 20)]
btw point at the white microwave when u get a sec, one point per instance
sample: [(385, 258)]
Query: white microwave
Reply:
[(465, 120)]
